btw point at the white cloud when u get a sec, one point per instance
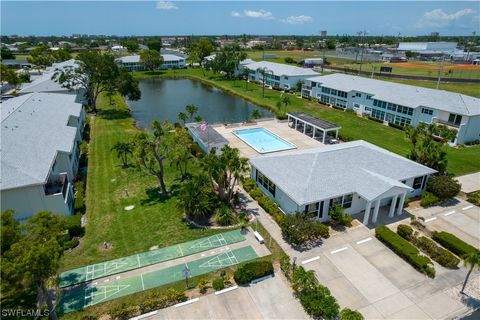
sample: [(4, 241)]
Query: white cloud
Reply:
[(298, 19), (439, 18), (235, 14), (166, 5), (260, 14)]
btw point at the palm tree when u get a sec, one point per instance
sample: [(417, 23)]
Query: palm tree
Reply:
[(256, 114), (285, 99), (263, 71), (303, 280), (198, 119), (245, 74), (123, 149), (182, 116), (191, 110), (196, 198), (472, 260)]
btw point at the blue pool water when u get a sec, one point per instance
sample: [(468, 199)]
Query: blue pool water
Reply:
[(262, 140)]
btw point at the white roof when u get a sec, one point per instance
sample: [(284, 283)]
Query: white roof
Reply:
[(44, 82), (281, 69), (136, 58), (402, 94), (316, 174), (34, 129)]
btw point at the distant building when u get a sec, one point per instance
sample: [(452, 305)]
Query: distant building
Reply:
[(323, 33), (118, 48), (133, 62), (312, 62), (41, 135), (428, 47), (399, 104), (434, 34), (279, 75)]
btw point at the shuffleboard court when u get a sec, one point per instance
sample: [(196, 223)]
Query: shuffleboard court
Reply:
[(85, 295), (107, 268)]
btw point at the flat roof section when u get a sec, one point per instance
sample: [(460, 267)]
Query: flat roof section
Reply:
[(208, 139), (313, 120)]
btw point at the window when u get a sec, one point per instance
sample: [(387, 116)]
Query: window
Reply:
[(417, 183), (427, 111), (285, 77), (358, 94), (369, 97), (312, 207), (343, 201), (377, 114), (314, 84), (266, 183), (455, 119), (326, 90)]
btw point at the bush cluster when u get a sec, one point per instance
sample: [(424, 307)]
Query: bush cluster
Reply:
[(375, 119), (442, 256), (405, 231), (428, 199), (396, 126), (337, 214), (473, 143), (299, 229), (289, 60), (344, 137), (474, 197), (79, 202), (454, 244), (405, 250), (443, 186), (218, 284), (224, 216), (265, 202), (152, 302), (252, 270), (347, 314)]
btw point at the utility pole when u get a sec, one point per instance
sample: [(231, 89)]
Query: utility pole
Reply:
[(440, 69), (364, 33)]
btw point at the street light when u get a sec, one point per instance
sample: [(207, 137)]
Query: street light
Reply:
[(186, 273)]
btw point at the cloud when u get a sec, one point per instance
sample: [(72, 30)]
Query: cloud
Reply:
[(260, 14), (439, 18), (235, 14), (297, 19), (166, 5)]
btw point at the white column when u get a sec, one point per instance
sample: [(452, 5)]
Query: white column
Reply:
[(323, 139), (304, 127), (392, 206), (336, 134), (313, 135), (400, 205), (296, 123), (375, 211), (367, 213)]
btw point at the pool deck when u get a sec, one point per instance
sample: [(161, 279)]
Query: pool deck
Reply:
[(280, 128)]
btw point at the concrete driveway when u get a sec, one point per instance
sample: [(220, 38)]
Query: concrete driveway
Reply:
[(470, 182), (268, 299)]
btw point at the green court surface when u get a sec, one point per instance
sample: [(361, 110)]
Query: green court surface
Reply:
[(86, 295), (107, 268)]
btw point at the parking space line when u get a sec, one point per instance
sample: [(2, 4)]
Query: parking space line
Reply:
[(430, 219), (364, 240), (468, 207), (449, 213), (338, 250), (226, 290), (310, 260), (186, 302)]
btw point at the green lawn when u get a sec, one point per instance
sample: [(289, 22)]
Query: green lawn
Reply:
[(461, 161), (153, 221)]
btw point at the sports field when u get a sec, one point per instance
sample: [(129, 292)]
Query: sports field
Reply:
[(103, 269), (85, 295)]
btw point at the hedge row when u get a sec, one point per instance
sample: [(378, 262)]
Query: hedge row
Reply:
[(454, 244), (405, 250), (252, 270), (265, 202)]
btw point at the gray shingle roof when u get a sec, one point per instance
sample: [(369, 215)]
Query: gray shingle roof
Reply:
[(44, 82), (403, 94), (281, 69), (322, 173), (34, 129), (136, 58)]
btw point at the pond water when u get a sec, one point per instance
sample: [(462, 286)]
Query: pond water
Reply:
[(163, 99)]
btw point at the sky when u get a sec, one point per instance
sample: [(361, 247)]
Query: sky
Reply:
[(409, 18)]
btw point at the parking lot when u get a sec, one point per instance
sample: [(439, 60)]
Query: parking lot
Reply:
[(268, 299)]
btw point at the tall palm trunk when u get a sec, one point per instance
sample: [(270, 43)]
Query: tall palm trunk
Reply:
[(466, 279), (45, 294)]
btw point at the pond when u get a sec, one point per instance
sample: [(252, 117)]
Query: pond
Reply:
[(163, 99)]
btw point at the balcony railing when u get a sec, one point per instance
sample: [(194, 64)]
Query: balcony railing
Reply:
[(60, 185), (444, 122)]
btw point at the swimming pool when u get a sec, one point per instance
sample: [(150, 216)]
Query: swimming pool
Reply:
[(262, 140)]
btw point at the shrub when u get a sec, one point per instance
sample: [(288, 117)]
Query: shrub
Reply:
[(405, 250), (336, 213), (474, 197), (406, 202), (299, 228), (428, 199), (443, 186), (79, 202), (289, 60), (454, 244), (224, 216), (396, 126), (347, 314), (218, 284), (405, 231), (472, 143), (70, 244), (442, 256), (347, 220), (319, 303), (252, 270), (162, 300), (248, 184), (282, 116), (74, 226), (375, 119), (123, 311), (202, 285), (344, 137)]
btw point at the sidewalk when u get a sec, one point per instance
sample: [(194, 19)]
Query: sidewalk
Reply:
[(470, 182)]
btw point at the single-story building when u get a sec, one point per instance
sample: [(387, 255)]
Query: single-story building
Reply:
[(41, 135), (279, 75), (134, 63), (397, 103), (357, 175), (206, 137)]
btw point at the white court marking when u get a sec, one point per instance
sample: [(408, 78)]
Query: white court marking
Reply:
[(338, 250), (449, 213), (468, 207), (143, 285), (430, 219), (117, 277), (310, 260), (364, 240)]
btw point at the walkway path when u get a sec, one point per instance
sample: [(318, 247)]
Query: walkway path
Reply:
[(470, 182)]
